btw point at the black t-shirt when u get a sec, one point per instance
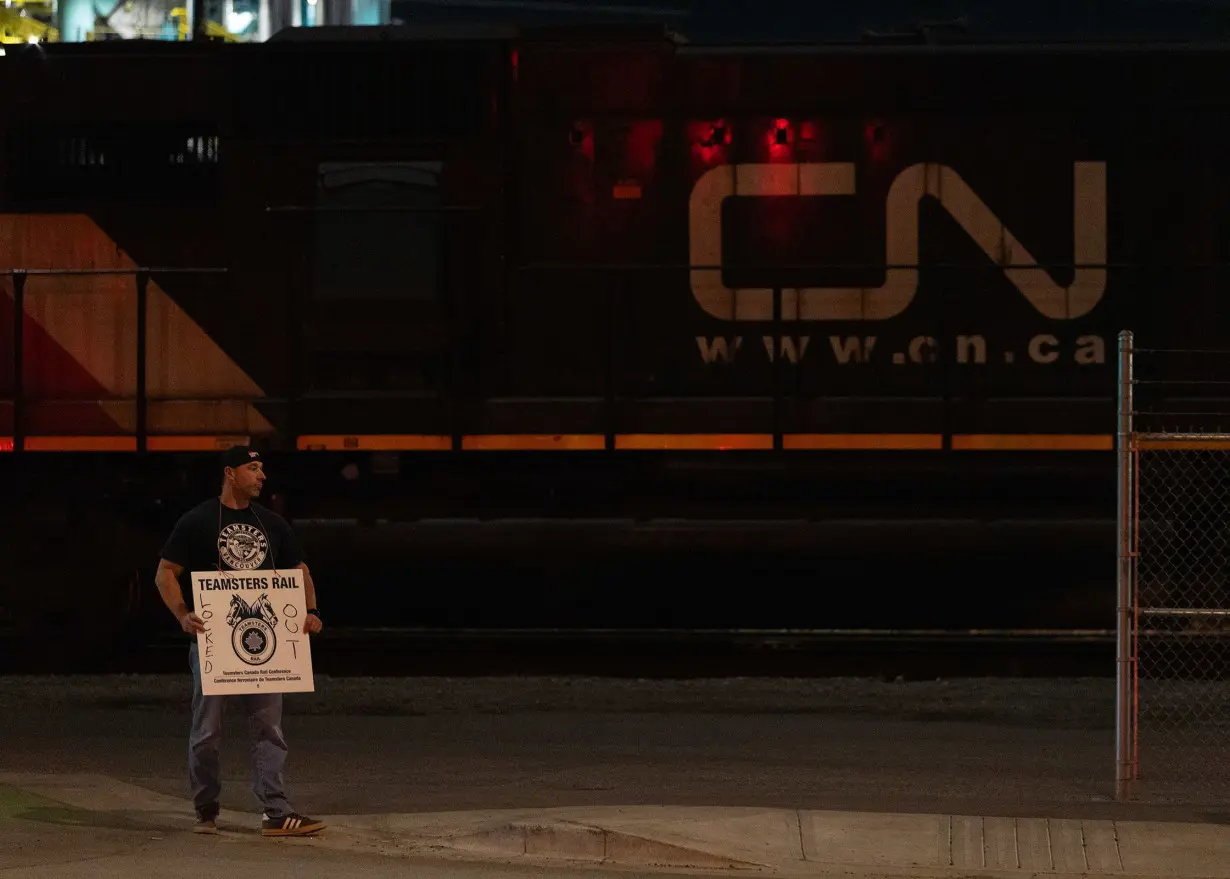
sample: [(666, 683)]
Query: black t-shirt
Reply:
[(254, 538)]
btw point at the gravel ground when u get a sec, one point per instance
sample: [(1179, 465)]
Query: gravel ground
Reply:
[(1071, 703), (1025, 747)]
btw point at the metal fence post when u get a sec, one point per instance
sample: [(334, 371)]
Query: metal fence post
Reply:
[(1124, 728)]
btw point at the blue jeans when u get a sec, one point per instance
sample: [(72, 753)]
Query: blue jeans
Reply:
[(268, 747)]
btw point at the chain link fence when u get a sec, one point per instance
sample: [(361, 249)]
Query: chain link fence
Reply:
[(1174, 578)]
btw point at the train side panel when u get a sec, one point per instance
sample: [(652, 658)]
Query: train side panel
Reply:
[(957, 241), (319, 273), (622, 277)]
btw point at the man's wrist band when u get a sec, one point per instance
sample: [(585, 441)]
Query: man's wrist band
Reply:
[(314, 612)]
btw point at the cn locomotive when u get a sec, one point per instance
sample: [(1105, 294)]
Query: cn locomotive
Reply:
[(490, 287)]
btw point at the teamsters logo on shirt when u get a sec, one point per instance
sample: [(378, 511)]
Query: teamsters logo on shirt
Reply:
[(243, 547)]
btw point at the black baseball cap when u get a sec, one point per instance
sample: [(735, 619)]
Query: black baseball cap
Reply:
[(237, 456)]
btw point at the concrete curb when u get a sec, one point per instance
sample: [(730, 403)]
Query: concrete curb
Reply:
[(582, 842), (558, 844), (792, 843), (735, 840)]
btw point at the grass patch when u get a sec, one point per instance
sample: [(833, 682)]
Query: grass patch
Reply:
[(25, 806)]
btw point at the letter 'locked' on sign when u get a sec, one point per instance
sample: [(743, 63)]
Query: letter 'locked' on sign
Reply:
[(253, 640), (901, 243)]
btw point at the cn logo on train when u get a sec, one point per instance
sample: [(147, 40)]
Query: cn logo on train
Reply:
[(907, 191)]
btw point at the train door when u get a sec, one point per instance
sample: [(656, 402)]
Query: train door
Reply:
[(377, 310)]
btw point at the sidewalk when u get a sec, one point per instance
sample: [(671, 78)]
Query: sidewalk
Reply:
[(112, 817)]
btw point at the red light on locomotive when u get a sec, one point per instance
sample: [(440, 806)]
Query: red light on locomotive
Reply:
[(641, 141), (719, 135), (876, 136), (709, 139), (581, 138), (780, 138)]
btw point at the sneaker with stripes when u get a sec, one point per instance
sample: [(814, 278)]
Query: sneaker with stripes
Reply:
[(293, 824), (206, 820)]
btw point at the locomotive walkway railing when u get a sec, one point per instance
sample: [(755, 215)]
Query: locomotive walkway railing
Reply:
[(85, 338), (639, 359), (1173, 644), (640, 366)]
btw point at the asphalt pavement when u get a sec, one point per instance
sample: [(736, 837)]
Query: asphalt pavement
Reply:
[(431, 767)]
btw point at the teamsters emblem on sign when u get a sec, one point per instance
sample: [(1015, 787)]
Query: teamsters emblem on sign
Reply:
[(243, 547), (252, 629)]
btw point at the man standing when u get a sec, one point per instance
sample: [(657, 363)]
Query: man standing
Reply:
[(234, 533)]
